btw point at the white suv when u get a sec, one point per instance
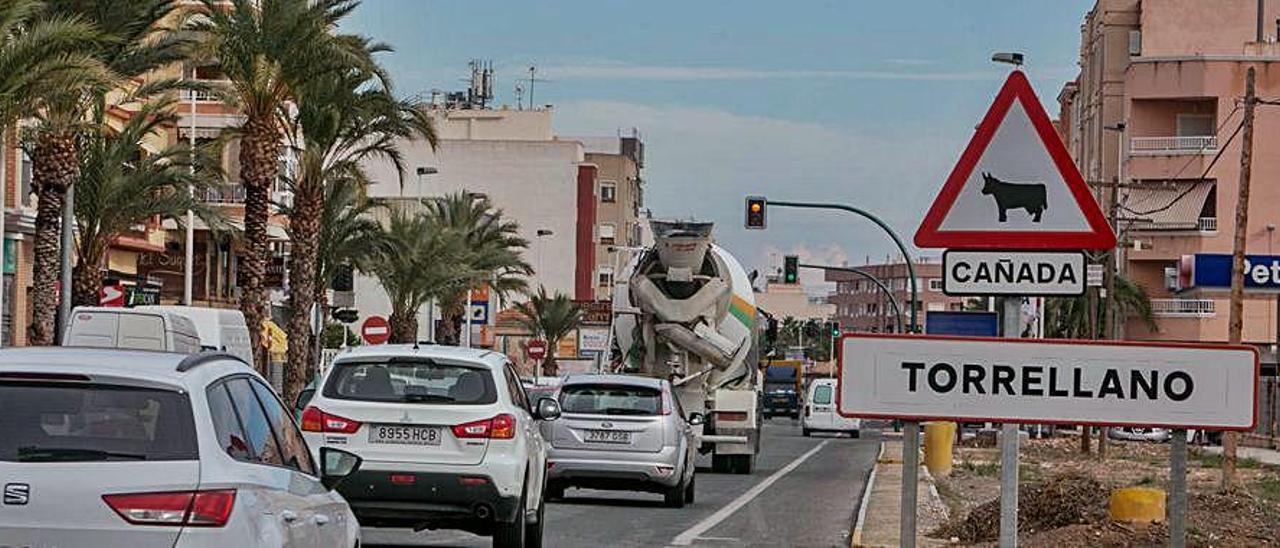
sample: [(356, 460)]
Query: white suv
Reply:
[(115, 448), (448, 438)]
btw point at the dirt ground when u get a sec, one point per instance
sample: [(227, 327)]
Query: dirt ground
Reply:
[(1054, 470)]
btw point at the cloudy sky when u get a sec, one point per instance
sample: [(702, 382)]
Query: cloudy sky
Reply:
[(852, 101)]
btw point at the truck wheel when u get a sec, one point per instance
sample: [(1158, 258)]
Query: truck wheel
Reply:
[(722, 464), (807, 432), (674, 496), (555, 492), (743, 464)]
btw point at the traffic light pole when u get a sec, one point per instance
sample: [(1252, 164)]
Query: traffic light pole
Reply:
[(906, 256), (893, 301)]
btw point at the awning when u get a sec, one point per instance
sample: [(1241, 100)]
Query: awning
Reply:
[(276, 340), (274, 231), (1165, 206)]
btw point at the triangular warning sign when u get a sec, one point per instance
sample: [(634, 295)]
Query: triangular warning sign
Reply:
[(1015, 186)]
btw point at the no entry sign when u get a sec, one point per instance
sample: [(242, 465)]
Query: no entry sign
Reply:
[(375, 330), (1045, 381), (536, 349)]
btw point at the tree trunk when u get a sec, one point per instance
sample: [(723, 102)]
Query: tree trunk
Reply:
[(259, 167), (86, 278), (55, 166), (451, 318), (549, 366), (305, 227), (404, 327)]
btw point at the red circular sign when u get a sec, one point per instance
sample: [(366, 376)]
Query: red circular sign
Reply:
[(537, 349), (375, 330)]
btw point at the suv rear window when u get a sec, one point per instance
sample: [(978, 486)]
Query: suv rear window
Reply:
[(411, 381), (65, 422), (610, 399)]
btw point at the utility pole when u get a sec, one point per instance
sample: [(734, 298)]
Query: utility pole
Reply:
[(1235, 324), (1111, 314)]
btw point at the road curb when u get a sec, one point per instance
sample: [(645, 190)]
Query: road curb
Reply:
[(856, 538)]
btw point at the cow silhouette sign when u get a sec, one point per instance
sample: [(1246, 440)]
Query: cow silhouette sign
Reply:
[(1028, 196), (1015, 161)]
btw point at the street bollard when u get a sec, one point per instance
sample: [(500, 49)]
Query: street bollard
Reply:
[(939, 439)]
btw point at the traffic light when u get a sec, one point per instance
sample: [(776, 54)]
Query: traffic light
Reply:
[(835, 329), (791, 269), (343, 278), (756, 212)]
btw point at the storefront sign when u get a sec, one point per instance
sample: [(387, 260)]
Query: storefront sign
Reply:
[(595, 312), (1212, 271)]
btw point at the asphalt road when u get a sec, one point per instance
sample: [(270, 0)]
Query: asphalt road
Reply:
[(804, 492)]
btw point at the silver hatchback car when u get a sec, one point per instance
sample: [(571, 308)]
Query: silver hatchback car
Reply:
[(623, 433)]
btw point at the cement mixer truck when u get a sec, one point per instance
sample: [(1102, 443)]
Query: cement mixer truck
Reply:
[(685, 311)]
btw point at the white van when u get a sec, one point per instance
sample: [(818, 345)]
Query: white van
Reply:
[(820, 413), (99, 327), (221, 329)]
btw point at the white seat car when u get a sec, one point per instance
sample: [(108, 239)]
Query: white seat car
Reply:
[(820, 413), (448, 437), (119, 448)]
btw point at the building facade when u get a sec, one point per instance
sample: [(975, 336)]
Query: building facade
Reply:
[(619, 198), (1156, 106), (862, 306)]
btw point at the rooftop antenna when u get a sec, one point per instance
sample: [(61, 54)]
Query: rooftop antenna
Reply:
[(533, 77)]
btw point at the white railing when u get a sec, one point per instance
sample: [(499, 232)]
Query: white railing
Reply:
[(201, 96), (1197, 144), (1208, 224), (1186, 308), (233, 193)]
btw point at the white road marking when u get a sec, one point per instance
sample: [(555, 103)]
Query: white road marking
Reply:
[(691, 534)]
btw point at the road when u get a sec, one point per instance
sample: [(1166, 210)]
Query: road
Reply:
[(805, 492)]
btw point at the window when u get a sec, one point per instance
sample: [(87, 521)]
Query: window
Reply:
[(935, 284), (822, 394), (608, 232), (80, 422), (1195, 125), (605, 276), (608, 192), (226, 426), (24, 184), (292, 446), (412, 381), (261, 446), (518, 397), (611, 399)]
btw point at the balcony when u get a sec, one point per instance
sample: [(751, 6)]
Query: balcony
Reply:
[(225, 194), (1183, 308), (1208, 224), (1171, 146)]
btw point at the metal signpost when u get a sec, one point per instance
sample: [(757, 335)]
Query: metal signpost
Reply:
[(1014, 215)]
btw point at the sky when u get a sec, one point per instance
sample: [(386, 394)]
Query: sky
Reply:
[(857, 102)]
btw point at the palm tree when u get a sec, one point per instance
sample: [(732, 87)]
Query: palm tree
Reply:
[(494, 254), (550, 318), (268, 50), (1068, 318), (121, 187), (135, 38), (344, 118), (415, 261), (41, 54)]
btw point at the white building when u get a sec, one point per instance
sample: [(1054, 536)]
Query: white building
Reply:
[(512, 157)]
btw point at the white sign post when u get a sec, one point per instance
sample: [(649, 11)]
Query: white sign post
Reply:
[(1099, 383), (1013, 273)]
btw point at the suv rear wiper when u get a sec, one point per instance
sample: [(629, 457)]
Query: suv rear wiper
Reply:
[(55, 454), (428, 398)]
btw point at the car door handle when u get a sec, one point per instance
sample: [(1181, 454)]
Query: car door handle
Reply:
[(288, 516), (321, 519)]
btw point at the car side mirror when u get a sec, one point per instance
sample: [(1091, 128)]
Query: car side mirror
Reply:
[(548, 409), (336, 465), (697, 419)]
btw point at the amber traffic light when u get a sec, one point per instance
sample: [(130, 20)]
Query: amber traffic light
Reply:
[(756, 211)]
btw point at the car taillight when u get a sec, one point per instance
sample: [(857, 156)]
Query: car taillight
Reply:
[(731, 416), (666, 408), (315, 420), (189, 508), (501, 427)]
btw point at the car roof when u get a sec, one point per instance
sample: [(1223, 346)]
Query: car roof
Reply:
[(455, 353), (155, 366), (628, 380)]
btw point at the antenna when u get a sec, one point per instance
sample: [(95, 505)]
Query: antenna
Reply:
[(519, 96), (533, 77)]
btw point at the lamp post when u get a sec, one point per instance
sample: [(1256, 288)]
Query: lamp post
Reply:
[(421, 172)]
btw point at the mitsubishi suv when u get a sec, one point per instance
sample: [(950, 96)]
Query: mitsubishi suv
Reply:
[(116, 448), (448, 438)]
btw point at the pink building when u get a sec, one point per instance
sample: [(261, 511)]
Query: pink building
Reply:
[(1172, 72)]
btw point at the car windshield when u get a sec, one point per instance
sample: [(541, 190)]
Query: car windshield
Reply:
[(411, 381), (610, 399), (76, 422), (822, 394)]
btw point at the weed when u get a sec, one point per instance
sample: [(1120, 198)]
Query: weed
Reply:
[(1268, 488), (1146, 481), (984, 469), (1214, 460)]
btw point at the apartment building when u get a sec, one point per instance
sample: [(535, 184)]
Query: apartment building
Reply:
[(619, 199), (862, 306), (1156, 106)]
